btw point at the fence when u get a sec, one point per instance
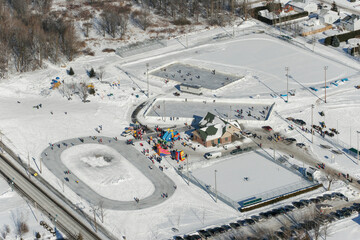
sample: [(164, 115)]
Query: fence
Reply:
[(210, 190), (277, 192), (140, 47)]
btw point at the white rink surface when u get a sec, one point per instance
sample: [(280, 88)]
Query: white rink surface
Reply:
[(263, 175)]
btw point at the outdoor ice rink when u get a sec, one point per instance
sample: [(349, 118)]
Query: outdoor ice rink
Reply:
[(263, 175), (262, 60), (206, 78), (226, 110)]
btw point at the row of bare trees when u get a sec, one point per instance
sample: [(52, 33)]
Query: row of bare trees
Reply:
[(29, 34)]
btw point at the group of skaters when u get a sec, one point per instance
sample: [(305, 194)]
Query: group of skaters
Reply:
[(164, 195), (251, 114)]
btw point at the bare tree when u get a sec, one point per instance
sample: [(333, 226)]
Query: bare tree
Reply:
[(83, 91), (100, 73), (86, 26), (101, 210), (5, 231)]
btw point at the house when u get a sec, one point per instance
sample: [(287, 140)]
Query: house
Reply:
[(191, 88), (303, 6), (351, 22), (215, 130), (327, 16)]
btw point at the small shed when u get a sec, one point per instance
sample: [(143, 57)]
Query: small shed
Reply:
[(191, 88)]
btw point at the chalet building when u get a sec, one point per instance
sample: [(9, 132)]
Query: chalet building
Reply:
[(215, 130)]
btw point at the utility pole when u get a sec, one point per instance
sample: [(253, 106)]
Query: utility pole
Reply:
[(216, 187), (337, 129), (312, 123), (274, 153), (325, 68), (147, 79), (287, 84), (187, 170), (55, 221), (357, 145), (350, 135), (164, 109), (95, 219)]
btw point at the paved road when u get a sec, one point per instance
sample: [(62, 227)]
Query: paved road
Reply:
[(161, 182), (66, 221)]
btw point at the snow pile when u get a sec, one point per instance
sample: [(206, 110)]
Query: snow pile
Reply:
[(107, 172)]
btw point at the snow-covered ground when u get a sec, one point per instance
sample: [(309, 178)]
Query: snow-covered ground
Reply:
[(14, 209), (107, 172), (261, 58)]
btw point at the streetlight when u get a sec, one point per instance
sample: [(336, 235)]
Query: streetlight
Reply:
[(55, 221), (312, 123), (12, 184), (147, 79), (357, 145), (187, 170), (325, 68), (216, 187), (287, 84)]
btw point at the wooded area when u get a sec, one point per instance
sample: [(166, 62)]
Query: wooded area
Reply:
[(31, 31)]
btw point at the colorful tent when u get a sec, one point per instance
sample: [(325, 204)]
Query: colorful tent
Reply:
[(170, 135), (180, 156), (161, 151)]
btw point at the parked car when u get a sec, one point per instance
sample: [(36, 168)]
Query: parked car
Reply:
[(267, 128), (242, 222), (249, 221), (327, 197), (256, 218), (299, 122), (226, 227), (176, 94), (290, 139), (205, 234), (300, 145), (234, 225), (236, 151), (289, 207), (211, 155)]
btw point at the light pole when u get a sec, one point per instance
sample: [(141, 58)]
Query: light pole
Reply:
[(357, 145), (147, 79), (12, 184), (287, 84), (55, 221), (325, 68), (312, 123), (187, 170), (216, 187)]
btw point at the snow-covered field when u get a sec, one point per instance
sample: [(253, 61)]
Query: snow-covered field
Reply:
[(261, 58), (107, 172)]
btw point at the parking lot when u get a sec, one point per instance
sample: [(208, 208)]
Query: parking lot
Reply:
[(292, 220)]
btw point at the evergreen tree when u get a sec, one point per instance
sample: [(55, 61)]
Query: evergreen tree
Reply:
[(335, 41), (92, 73), (334, 7), (71, 71)]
